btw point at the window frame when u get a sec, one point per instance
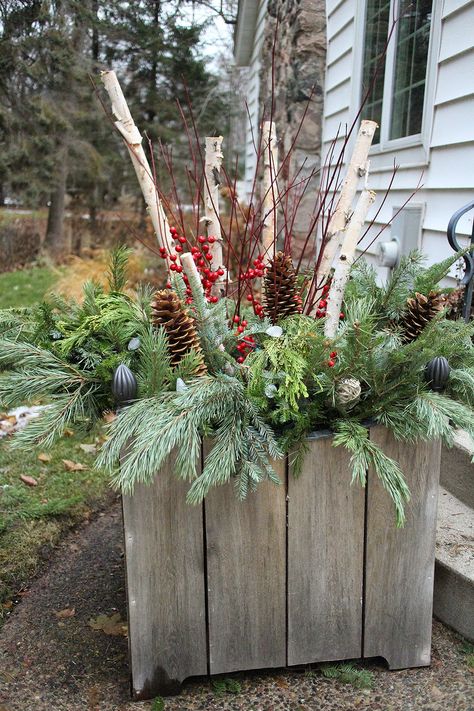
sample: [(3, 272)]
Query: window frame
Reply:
[(420, 141)]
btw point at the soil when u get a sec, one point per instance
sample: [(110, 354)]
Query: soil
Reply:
[(60, 663)]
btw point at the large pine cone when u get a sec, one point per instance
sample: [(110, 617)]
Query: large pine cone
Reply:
[(168, 311), (281, 297), (455, 303), (419, 312)]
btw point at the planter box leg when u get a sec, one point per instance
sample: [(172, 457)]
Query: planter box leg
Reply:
[(165, 580), (325, 558), (399, 568)]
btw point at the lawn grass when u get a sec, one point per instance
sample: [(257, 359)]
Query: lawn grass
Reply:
[(26, 287), (32, 518)]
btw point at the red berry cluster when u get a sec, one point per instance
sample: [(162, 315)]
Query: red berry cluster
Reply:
[(247, 344), (202, 258), (256, 272), (322, 306), (332, 361)]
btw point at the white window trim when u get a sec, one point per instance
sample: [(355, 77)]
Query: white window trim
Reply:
[(420, 140)]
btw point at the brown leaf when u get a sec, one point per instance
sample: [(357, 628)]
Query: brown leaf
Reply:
[(113, 625), (88, 448), (68, 432), (28, 480), (64, 614), (109, 417), (43, 457), (71, 466)]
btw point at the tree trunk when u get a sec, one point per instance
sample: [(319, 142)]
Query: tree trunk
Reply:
[(55, 240)]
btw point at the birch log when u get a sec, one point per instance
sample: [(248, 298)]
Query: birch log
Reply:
[(344, 262), (356, 169), (213, 164), (270, 169), (133, 139), (191, 270)]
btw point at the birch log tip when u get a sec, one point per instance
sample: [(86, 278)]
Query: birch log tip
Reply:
[(270, 171)]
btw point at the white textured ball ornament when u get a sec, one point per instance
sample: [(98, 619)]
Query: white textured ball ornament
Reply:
[(348, 392)]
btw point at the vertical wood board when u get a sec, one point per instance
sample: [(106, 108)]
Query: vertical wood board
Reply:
[(246, 559), (166, 587), (400, 562), (325, 558)]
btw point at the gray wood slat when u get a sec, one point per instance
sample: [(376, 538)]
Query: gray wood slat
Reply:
[(166, 587), (325, 558), (400, 562), (246, 558)]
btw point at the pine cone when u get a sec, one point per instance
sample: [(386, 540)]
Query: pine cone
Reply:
[(168, 311), (280, 289), (455, 303), (420, 311)]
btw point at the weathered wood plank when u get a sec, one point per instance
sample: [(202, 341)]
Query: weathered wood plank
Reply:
[(325, 558), (166, 587), (246, 557), (400, 562)]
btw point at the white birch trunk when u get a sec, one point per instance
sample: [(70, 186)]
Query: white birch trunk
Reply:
[(344, 262), (191, 270), (356, 169), (133, 139), (270, 169), (213, 164)]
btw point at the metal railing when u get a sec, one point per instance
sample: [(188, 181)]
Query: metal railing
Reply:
[(468, 279)]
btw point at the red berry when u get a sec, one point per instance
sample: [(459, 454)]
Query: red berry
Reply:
[(214, 299), (168, 285), (211, 240), (179, 268), (240, 329), (341, 315), (319, 314), (220, 272), (205, 248), (333, 354), (322, 304), (194, 250), (244, 323), (173, 267), (173, 230), (249, 297), (236, 319), (201, 262), (163, 255), (178, 248), (259, 272), (209, 257), (331, 363), (240, 359), (189, 300), (182, 240), (201, 239), (173, 257)]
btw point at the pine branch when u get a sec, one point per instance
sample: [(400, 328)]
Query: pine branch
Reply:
[(117, 268)]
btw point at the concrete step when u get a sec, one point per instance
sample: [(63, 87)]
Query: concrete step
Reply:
[(457, 469), (454, 572)]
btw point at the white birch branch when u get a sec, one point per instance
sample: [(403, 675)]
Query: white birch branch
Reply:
[(270, 169), (213, 164), (357, 168), (133, 139), (344, 262), (191, 270)]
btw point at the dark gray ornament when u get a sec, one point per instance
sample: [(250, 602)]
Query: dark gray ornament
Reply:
[(437, 373), (124, 385)]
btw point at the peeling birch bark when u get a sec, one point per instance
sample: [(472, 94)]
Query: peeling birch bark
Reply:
[(213, 164), (270, 169), (345, 261), (133, 139), (190, 269), (356, 169)]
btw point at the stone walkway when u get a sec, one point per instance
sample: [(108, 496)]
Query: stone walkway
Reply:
[(56, 662)]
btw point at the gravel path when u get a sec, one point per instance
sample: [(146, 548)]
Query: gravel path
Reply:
[(51, 663)]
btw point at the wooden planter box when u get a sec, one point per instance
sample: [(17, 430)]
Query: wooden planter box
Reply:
[(314, 570)]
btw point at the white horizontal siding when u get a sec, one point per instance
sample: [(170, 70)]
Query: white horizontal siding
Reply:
[(445, 164)]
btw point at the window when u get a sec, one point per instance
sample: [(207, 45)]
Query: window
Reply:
[(397, 96)]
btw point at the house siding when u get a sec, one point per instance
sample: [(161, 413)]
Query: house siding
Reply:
[(444, 163)]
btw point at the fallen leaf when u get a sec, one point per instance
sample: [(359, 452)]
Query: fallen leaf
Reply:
[(109, 416), (113, 625), (67, 432), (67, 612), (7, 605), (43, 457), (88, 448), (73, 466), (28, 480)]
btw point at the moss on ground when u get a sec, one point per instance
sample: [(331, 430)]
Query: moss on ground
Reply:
[(33, 518)]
